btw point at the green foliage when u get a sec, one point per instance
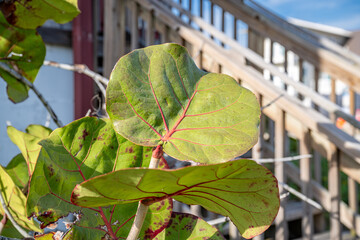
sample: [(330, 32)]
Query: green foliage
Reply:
[(21, 47), (187, 226), (15, 200), (18, 171), (157, 95), (97, 169), (83, 149), (22, 50), (32, 14), (242, 190), (27, 142)]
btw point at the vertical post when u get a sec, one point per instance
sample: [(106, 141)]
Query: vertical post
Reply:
[(201, 14), (256, 150), (316, 84), (333, 97), (305, 176), (222, 24), (114, 33), (280, 221), (335, 192), (134, 25), (285, 65), (352, 185), (301, 75), (82, 42), (352, 107), (149, 37), (235, 29), (212, 16), (190, 9), (320, 221)]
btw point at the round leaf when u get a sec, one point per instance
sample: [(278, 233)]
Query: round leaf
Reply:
[(83, 149), (242, 190), (157, 95)]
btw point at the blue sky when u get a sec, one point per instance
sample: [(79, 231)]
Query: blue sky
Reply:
[(338, 13)]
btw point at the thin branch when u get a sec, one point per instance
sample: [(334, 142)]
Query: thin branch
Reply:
[(83, 69), (12, 220), (301, 196), (142, 208), (285, 159), (22, 79)]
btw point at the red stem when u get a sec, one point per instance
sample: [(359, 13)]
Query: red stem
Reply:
[(107, 224)]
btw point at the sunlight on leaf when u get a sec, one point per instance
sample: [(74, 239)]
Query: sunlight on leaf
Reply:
[(27, 142), (158, 95), (83, 149), (15, 200), (242, 190)]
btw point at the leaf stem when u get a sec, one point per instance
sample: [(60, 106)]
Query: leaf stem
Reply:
[(12, 220), (142, 208), (107, 224), (25, 81)]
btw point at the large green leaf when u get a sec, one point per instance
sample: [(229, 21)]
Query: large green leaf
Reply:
[(18, 171), (186, 226), (83, 149), (242, 190), (15, 200), (24, 51), (157, 95), (32, 14), (27, 142)]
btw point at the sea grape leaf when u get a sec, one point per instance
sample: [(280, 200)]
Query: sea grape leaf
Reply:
[(83, 149), (186, 226), (32, 14), (22, 50), (242, 190), (18, 171), (9, 230), (38, 131), (157, 95), (15, 200), (27, 142)]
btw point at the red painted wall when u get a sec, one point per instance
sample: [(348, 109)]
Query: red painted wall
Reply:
[(82, 44)]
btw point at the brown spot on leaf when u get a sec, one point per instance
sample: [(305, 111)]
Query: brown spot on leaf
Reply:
[(51, 170), (265, 203), (84, 134), (8, 9), (131, 150), (100, 137)]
